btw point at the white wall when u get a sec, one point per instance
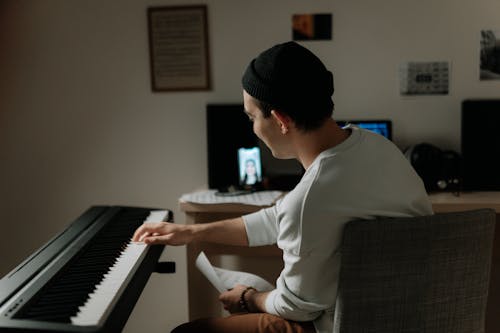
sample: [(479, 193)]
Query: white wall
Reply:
[(80, 126)]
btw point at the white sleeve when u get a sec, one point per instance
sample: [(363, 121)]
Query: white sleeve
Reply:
[(306, 287), (261, 227)]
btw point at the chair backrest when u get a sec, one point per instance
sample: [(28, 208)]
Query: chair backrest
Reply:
[(425, 274)]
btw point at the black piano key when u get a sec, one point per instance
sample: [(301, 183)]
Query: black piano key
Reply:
[(69, 288)]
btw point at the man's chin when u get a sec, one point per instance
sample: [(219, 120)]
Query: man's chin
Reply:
[(281, 156)]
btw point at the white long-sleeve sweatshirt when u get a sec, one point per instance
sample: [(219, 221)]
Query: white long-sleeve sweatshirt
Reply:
[(366, 176)]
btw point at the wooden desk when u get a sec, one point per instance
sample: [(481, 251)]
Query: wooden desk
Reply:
[(203, 297)]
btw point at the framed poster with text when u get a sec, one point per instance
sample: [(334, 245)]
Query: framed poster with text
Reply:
[(178, 46)]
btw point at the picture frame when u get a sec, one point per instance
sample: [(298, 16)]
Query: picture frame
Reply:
[(312, 27), (178, 47)]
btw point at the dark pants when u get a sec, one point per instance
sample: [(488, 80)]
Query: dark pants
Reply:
[(246, 323)]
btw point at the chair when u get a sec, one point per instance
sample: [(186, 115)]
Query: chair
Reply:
[(425, 274)]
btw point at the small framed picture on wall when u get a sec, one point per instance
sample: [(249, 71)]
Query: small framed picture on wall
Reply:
[(490, 55), (312, 27)]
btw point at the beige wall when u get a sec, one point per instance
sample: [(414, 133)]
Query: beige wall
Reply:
[(80, 126)]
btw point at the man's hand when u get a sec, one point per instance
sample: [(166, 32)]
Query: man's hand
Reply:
[(164, 233), (255, 300), (231, 298)]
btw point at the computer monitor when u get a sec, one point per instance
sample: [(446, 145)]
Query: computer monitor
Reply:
[(228, 130), (480, 143), (382, 127)]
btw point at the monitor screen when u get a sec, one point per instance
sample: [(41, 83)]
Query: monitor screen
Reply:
[(480, 143), (382, 127), (228, 130)]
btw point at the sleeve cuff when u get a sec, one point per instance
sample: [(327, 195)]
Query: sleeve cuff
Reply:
[(269, 303), (282, 302)]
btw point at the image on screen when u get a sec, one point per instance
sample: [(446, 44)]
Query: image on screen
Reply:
[(249, 166), (382, 127), (377, 127)]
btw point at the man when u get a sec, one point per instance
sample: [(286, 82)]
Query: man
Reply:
[(350, 174)]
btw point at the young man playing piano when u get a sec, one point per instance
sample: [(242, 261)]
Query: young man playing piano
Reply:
[(350, 174)]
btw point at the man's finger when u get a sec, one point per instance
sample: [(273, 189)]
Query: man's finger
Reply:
[(151, 239), (157, 239), (146, 228)]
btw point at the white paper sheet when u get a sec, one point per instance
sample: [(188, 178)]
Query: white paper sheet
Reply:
[(225, 279), (208, 270)]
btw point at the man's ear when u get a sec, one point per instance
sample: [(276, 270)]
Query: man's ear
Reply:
[(282, 120)]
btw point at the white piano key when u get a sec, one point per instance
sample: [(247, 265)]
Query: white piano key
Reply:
[(106, 293)]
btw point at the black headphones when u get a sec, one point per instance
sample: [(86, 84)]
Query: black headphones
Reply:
[(440, 170)]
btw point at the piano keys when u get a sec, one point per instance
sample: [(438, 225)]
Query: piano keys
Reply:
[(86, 279)]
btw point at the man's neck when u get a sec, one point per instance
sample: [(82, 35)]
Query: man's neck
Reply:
[(309, 145)]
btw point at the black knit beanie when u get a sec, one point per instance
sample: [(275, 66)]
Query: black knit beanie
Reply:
[(289, 75)]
